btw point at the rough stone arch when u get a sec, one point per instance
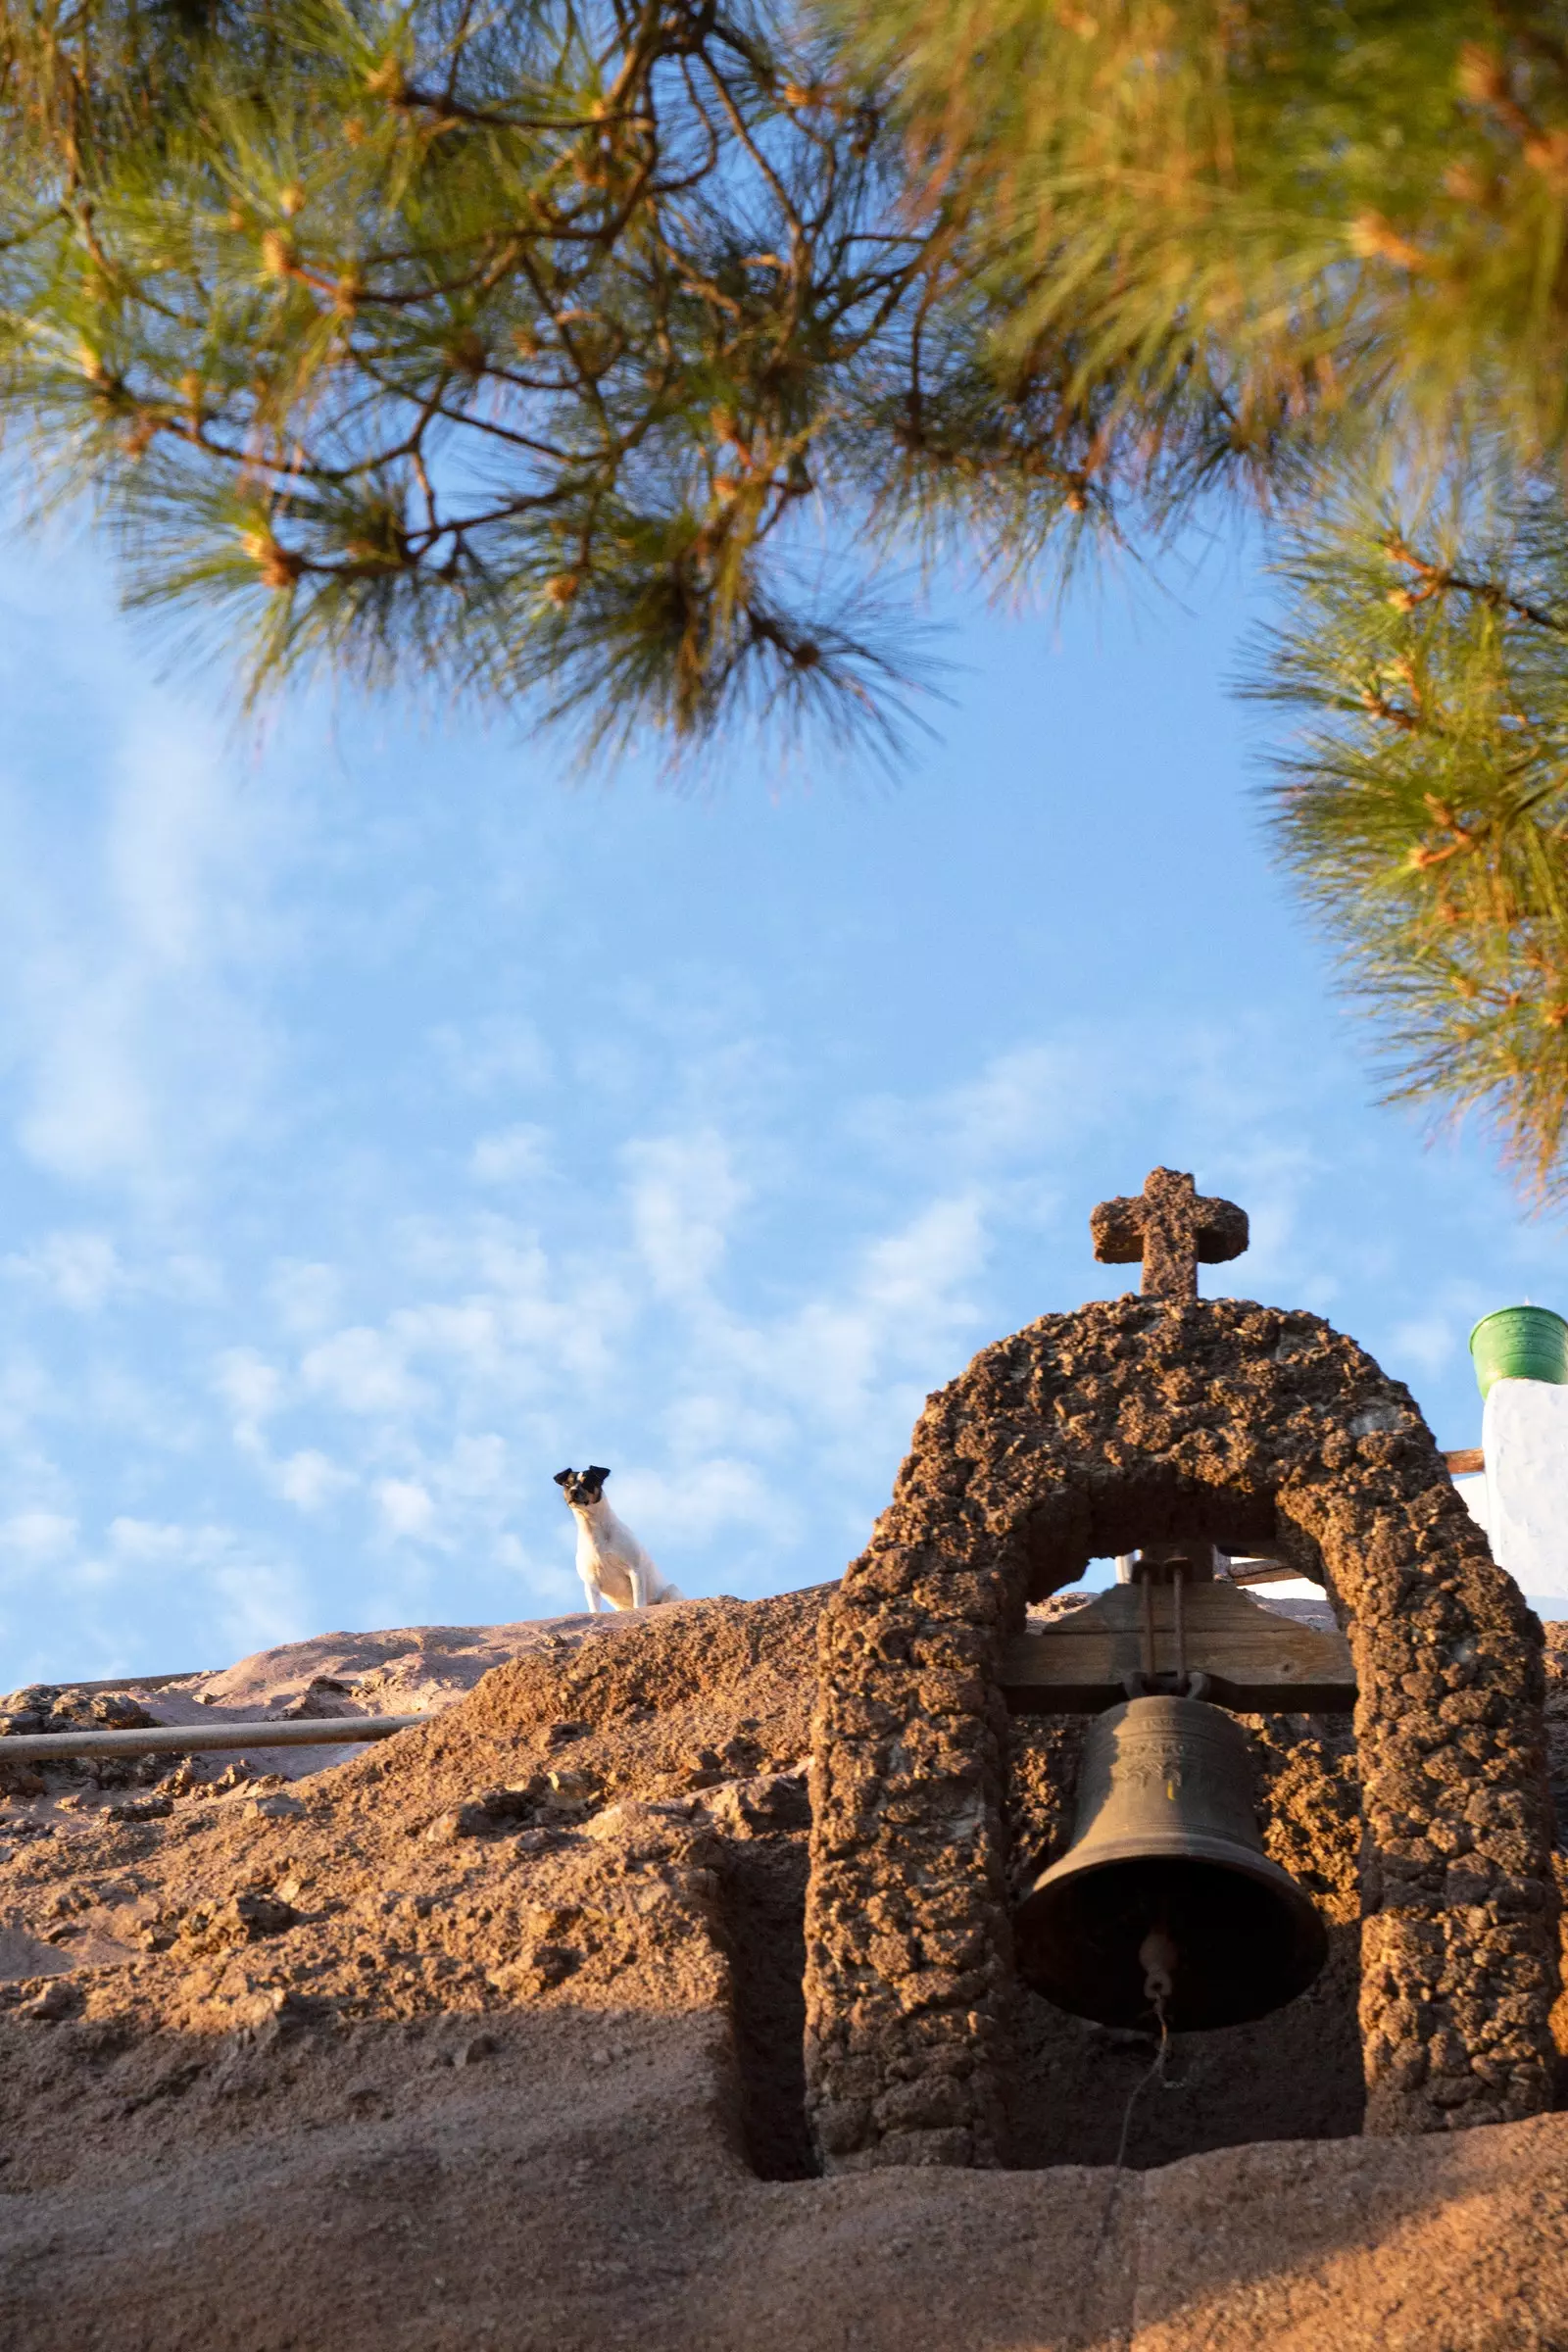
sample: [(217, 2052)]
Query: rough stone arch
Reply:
[(1087, 1434)]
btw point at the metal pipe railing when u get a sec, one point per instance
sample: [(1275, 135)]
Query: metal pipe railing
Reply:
[(200, 1739)]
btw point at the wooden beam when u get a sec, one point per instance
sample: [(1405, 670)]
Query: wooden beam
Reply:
[(1257, 1662), (1466, 1462)]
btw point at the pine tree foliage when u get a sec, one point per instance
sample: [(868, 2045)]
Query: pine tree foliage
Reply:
[(486, 345), (592, 355), (1353, 208), (551, 351), (1424, 806), (1350, 219)]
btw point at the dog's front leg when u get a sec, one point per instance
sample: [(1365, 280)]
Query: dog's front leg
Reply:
[(638, 1580), (592, 1590)]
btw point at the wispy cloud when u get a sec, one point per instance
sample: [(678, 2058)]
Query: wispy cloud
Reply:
[(310, 1481), (363, 1371), (512, 1155), (364, 1163), (79, 1270), (132, 1013), (684, 1196)]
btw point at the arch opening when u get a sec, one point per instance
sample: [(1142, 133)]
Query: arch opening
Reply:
[(1148, 1419), (1148, 1505), (1294, 2074)]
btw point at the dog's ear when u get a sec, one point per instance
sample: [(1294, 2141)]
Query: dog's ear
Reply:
[(562, 1477), (597, 1470)]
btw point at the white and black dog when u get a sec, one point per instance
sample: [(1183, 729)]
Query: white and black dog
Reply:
[(610, 1561)]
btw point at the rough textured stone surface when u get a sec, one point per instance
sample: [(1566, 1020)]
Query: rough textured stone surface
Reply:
[(53, 1707), (540, 2088), (577, 2186), (622, 1825), (1173, 1229), (1128, 1422)]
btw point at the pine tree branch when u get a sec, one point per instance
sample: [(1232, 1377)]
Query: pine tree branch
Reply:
[(1431, 833)]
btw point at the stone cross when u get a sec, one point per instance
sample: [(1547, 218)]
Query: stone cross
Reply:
[(1173, 1229)]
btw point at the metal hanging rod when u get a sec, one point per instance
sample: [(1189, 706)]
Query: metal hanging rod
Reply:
[(199, 1738)]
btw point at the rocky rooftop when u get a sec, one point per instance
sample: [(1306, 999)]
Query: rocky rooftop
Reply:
[(490, 2035)]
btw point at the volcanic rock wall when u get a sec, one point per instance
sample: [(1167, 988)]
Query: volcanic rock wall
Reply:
[(1126, 1423), (612, 1828)]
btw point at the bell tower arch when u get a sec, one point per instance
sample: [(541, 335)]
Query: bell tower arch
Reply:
[(1141, 1420)]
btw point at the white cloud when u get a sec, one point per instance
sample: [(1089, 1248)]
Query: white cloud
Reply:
[(252, 1388), (35, 1536), (1429, 1342), (715, 1415), (476, 1466), (308, 1480), (909, 1276), (684, 1196), (79, 1269), (253, 1605), (469, 1332), (1029, 1101), (523, 1318), (702, 1501), (497, 1055), (509, 1157), (144, 1542), (129, 1006), (363, 1371), (842, 1359), (537, 1341), (246, 1598), (564, 1317), (118, 1400), (1025, 1100), (306, 1295), (191, 1278), (407, 1507), (739, 1298)]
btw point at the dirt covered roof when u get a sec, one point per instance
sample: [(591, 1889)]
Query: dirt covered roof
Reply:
[(491, 2035)]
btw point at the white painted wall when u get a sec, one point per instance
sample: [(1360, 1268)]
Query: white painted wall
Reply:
[(1524, 1436), (1473, 1493)]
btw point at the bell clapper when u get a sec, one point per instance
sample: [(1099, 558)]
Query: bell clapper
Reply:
[(1158, 1956)]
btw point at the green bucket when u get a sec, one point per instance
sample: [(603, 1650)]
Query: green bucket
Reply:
[(1520, 1343)]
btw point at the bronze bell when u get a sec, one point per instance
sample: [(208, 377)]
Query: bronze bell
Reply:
[(1166, 1901)]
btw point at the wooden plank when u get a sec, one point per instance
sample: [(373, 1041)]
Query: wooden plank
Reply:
[(1257, 1662), (1466, 1462)]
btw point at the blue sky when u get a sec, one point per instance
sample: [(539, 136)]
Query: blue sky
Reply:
[(387, 1119)]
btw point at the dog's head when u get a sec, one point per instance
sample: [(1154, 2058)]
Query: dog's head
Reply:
[(583, 1485)]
